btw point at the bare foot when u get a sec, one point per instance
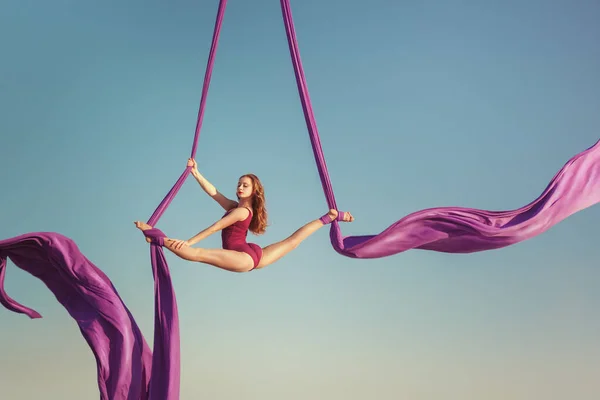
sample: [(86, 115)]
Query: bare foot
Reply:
[(143, 227), (347, 216)]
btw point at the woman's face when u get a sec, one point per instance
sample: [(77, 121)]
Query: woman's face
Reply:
[(244, 188)]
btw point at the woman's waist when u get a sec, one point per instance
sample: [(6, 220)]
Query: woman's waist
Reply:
[(233, 239)]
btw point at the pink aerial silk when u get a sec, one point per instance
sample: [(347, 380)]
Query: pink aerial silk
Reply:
[(126, 367)]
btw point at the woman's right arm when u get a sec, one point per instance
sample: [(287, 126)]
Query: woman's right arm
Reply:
[(210, 189)]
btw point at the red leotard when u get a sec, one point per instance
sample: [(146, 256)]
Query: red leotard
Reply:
[(234, 238)]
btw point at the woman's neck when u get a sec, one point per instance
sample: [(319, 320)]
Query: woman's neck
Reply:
[(245, 203)]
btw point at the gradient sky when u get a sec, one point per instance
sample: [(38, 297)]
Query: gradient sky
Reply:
[(419, 104)]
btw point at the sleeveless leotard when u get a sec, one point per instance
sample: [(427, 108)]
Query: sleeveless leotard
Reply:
[(234, 238)]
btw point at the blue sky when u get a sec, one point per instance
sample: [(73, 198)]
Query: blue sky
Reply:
[(419, 104)]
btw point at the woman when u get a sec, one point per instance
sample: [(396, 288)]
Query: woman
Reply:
[(246, 214)]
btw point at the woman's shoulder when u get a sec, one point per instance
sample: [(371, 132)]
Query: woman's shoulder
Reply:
[(242, 211)]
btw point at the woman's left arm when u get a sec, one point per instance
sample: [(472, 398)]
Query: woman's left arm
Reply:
[(237, 214)]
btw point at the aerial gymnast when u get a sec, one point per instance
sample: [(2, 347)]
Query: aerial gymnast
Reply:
[(246, 214), (129, 370)]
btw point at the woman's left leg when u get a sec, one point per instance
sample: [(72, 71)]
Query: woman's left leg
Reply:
[(277, 250)]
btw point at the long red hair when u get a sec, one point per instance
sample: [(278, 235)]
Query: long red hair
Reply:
[(258, 225)]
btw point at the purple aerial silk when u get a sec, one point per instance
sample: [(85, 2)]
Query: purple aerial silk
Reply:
[(455, 229), (165, 382), (123, 358), (128, 370)]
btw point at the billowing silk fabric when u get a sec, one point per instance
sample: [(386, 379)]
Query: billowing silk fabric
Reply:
[(455, 229), (122, 355), (128, 369)]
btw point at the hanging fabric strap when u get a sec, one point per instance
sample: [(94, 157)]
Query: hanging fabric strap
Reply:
[(164, 204), (455, 229), (165, 381)]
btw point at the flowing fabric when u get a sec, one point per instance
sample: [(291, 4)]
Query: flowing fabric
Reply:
[(123, 358), (127, 369), (455, 229), (165, 384)]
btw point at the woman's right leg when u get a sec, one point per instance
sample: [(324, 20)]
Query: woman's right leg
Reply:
[(230, 260)]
